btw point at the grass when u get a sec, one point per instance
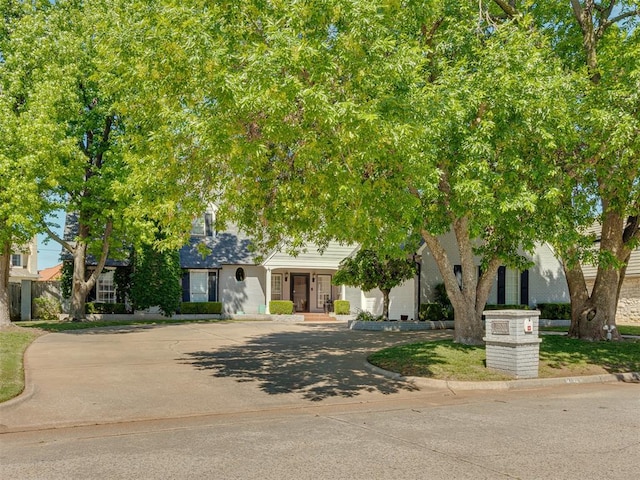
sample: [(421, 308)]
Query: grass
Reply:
[(13, 343), (559, 357), (64, 326), (623, 329)]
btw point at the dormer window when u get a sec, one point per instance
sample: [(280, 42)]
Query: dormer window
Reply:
[(202, 226)]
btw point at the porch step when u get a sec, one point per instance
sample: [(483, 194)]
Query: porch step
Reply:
[(318, 317)]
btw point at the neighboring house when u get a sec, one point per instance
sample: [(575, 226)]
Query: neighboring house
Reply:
[(232, 273), (24, 271), (629, 302), (51, 274)]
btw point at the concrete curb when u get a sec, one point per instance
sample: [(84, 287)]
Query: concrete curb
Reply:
[(630, 377)]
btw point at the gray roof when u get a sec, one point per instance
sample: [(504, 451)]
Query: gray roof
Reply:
[(230, 247), (225, 248)]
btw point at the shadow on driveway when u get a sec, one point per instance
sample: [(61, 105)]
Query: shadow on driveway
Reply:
[(319, 363)]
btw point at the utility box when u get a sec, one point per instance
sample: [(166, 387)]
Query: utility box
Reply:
[(512, 342)]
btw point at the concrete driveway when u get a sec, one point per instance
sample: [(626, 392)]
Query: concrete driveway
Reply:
[(172, 371)]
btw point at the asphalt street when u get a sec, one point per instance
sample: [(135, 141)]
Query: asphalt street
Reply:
[(276, 401)]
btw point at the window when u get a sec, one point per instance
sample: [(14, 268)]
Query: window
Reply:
[(105, 288), (324, 289), (198, 227), (512, 287), (16, 260), (203, 225), (199, 282), (240, 275), (276, 286)]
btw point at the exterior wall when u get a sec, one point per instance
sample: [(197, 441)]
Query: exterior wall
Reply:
[(629, 303), (29, 268), (401, 301), (546, 278), (246, 296)]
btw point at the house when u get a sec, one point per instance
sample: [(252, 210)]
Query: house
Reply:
[(544, 282), (23, 271), (230, 272), (629, 301)]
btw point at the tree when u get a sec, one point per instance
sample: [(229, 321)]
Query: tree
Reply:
[(155, 280), (372, 121), (368, 270), (116, 175), (22, 176), (600, 43)]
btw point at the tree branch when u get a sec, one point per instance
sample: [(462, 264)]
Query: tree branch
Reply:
[(603, 26), (507, 8), (104, 254), (66, 245)]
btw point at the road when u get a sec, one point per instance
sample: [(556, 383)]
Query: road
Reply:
[(275, 401)]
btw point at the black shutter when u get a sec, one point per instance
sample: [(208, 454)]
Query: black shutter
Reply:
[(502, 277), (213, 287), (208, 224), (186, 288), (524, 288)]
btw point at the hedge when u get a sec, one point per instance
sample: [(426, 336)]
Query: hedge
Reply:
[(107, 308), (342, 307), (207, 308), (506, 307), (281, 307), (555, 311)]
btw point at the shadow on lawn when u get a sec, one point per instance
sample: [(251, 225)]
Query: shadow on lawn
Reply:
[(320, 363)]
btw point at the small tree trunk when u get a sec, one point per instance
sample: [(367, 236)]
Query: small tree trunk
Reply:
[(5, 299), (385, 303)]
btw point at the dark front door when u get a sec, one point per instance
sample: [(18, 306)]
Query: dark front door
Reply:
[(300, 292)]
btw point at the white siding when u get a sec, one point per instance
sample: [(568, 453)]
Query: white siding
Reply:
[(401, 301), (311, 258), (244, 296)]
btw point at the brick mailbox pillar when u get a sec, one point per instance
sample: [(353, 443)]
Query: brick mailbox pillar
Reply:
[(512, 343)]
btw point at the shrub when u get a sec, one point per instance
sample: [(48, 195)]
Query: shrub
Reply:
[(105, 308), (555, 311), (281, 307), (364, 316), (341, 307), (47, 308), (207, 308), (433, 312), (506, 307)]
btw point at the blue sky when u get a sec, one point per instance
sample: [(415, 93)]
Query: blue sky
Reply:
[(49, 253)]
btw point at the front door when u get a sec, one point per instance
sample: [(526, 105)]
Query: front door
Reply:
[(300, 292)]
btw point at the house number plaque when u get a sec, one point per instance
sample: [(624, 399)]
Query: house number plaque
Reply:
[(500, 327)]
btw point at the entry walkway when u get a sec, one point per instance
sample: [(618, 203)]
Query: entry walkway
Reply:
[(171, 371)]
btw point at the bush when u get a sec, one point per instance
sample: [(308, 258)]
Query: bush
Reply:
[(47, 308), (364, 316), (206, 308), (506, 307), (434, 312), (105, 308), (555, 311), (281, 307), (342, 307)]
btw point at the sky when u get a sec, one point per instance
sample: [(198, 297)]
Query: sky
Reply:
[(49, 253)]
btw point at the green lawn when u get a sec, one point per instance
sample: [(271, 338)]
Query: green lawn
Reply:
[(560, 356), (623, 329), (64, 326), (13, 343)]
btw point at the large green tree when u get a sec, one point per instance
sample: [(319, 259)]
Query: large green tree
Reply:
[(23, 134), (117, 177), (371, 121), (600, 43)]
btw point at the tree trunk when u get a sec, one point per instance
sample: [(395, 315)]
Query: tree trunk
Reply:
[(385, 303), (469, 299), (593, 316), (5, 299)]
